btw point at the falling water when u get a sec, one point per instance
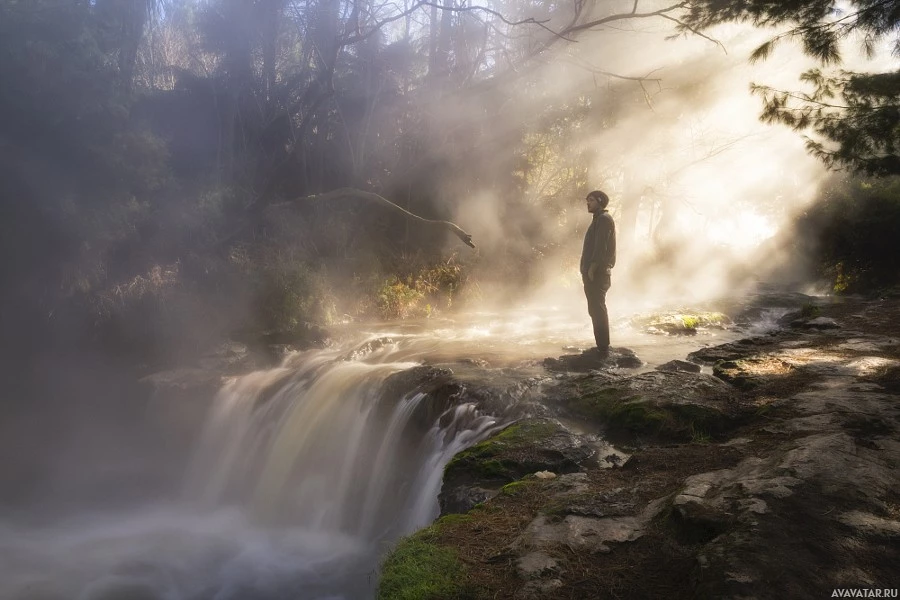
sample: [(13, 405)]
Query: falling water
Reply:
[(301, 476), (316, 445)]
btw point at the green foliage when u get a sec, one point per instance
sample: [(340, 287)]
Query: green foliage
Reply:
[(698, 435), (810, 21), (810, 311), (854, 117), (292, 293), (682, 323), (420, 293), (419, 569), (851, 231), (398, 299)]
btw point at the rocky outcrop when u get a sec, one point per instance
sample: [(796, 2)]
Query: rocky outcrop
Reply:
[(591, 360), (668, 404), (524, 448), (792, 489)]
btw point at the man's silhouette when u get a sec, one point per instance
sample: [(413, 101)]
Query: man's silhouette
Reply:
[(598, 257)]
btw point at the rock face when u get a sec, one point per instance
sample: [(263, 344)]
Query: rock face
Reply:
[(524, 448), (590, 360), (665, 403), (794, 492), (681, 366)]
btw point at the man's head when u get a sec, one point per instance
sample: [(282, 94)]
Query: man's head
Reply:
[(597, 201)]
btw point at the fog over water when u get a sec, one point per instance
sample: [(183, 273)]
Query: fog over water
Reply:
[(297, 478)]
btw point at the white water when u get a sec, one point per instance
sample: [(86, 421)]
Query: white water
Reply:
[(302, 475)]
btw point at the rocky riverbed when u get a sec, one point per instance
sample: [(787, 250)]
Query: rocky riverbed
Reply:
[(775, 476)]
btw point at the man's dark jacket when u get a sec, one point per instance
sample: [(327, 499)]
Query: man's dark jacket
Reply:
[(599, 244)]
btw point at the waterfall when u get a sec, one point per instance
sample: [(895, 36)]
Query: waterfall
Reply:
[(301, 478), (315, 444)]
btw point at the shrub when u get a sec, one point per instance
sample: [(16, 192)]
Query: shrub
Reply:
[(851, 233)]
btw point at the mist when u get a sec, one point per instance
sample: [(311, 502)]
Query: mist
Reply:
[(699, 187)]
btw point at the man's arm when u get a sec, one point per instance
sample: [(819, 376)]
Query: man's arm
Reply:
[(611, 245), (604, 254)]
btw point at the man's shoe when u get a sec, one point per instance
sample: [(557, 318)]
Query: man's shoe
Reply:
[(600, 353)]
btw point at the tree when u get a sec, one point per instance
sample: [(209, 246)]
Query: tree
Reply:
[(854, 118)]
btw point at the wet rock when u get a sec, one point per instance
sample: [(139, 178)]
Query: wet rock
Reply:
[(461, 499), (869, 524), (779, 300), (750, 372), (228, 357), (367, 348), (735, 350), (682, 366), (871, 343), (423, 378), (590, 360), (816, 323), (581, 501), (752, 509), (186, 379), (669, 404), (609, 457), (519, 450), (477, 362), (682, 323)]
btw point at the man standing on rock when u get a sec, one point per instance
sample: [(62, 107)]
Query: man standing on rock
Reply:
[(598, 257)]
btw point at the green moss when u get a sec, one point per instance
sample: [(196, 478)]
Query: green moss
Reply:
[(481, 458), (397, 299), (690, 322), (419, 569), (511, 489), (632, 413), (698, 435), (810, 311), (449, 521), (682, 323)]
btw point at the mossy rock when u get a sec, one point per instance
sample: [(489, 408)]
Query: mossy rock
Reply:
[(682, 323), (673, 405), (478, 473), (736, 350), (520, 449)]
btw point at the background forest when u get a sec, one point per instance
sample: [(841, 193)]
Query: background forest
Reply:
[(157, 157)]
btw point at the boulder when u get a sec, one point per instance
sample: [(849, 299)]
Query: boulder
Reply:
[(668, 404), (521, 449), (590, 360)]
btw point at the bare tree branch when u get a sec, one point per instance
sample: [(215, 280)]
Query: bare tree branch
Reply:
[(695, 31), (373, 197), (622, 17)]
